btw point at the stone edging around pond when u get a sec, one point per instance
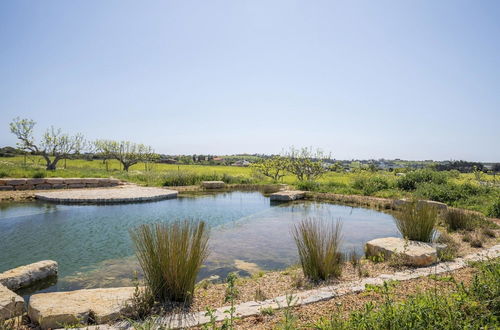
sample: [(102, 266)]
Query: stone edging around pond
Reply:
[(11, 304), (252, 308), (56, 183)]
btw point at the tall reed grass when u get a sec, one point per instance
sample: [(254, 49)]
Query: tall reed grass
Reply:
[(458, 219), (318, 244), (416, 221), (171, 255)]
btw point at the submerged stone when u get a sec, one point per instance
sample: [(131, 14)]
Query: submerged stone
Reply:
[(413, 253), (287, 195), (25, 276)]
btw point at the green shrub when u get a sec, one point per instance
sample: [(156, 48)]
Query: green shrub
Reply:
[(318, 245), (170, 255), (184, 178), (494, 210), (308, 185), (456, 219), (3, 174), (370, 185), (450, 193), (411, 179), (39, 175), (416, 221)]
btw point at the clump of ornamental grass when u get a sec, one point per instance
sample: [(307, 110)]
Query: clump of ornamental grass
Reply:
[(318, 245), (171, 255), (456, 219), (416, 221)]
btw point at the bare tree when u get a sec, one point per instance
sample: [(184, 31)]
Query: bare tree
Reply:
[(274, 167), (306, 164), (126, 152), (53, 146)]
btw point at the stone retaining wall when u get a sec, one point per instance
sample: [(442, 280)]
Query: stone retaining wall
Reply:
[(56, 183)]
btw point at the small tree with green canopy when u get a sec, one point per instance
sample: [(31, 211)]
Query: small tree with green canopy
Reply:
[(274, 167), (126, 152), (306, 164), (53, 146)]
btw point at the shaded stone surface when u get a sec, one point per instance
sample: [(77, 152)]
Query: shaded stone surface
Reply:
[(11, 304), (122, 194), (21, 277), (213, 184), (287, 195), (413, 253), (61, 309)]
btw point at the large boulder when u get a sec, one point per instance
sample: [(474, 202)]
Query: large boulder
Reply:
[(24, 276), (412, 253), (213, 184), (287, 195), (62, 309), (11, 305)]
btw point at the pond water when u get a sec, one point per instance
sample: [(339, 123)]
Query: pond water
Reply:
[(93, 248)]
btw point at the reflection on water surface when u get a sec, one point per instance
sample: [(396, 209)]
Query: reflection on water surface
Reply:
[(93, 248)]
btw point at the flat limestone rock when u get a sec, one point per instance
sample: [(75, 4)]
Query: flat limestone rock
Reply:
[(125, 194), (61, 309), (414, 253), (213, 184), (287, 195), (11, 305), (24, 276)]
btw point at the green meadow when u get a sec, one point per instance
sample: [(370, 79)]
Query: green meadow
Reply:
[(475, 191)]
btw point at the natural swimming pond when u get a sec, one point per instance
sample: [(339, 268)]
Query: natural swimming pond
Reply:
[(92, 245)]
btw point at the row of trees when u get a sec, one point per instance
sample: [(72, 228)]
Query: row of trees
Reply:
[(306, 164), (55, 145)]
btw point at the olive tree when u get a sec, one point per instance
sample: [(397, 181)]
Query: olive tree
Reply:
[(306, 164), (126, 152), (274, 167), (53, 146)]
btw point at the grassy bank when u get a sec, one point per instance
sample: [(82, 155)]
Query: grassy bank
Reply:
[(463, 299), (479, 192)]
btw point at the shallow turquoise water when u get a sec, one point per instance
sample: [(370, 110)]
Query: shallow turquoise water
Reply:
[(93, 248)]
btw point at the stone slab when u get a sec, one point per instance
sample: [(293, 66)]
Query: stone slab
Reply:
[(287, 195), (25, 276), (11, 304), (54, 180), (122, 194), (213, 184), (413, 253), (62, 309), (15, 182)]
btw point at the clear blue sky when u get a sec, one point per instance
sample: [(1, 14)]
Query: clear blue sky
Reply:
[(362, 79)]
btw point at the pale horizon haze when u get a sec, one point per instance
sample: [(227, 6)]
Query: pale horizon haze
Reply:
[(360, 79)]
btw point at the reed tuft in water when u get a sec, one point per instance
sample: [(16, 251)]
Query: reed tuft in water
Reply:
[(318, 244), (416, 221), (171, 255)]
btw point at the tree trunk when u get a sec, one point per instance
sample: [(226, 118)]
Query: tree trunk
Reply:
[(51, 165), (126, 166)]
